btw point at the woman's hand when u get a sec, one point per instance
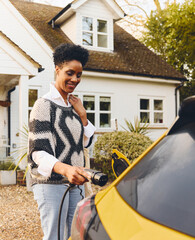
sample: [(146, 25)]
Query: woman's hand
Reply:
[(78, 107), (76, 175)]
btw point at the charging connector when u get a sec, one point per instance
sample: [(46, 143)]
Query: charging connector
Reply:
[(97, 177)]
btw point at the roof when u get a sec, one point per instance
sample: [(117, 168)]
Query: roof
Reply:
[(129, 56), (70, 8), (36, 64)]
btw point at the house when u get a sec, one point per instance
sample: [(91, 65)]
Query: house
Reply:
[(122, 79), (16, 68)]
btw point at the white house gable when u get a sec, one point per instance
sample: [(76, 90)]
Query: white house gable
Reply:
[(14, 25), (95, 8), (90, 23), (13, 62), (95, 26), (69, 28)]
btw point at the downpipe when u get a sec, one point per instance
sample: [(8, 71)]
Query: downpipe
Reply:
[(176, 103)]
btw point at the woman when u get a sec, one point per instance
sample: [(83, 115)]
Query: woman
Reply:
[(58, 130)]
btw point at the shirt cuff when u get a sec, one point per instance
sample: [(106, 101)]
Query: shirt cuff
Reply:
[(89, 129), (45, 162)]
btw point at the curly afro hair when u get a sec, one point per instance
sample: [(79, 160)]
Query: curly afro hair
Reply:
[(68, 52)]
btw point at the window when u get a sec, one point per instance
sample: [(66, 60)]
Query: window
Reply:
[(33, 95), (105, 113), (98, 109), (94, 32), (89, 105), (151, 110), (87, 31)]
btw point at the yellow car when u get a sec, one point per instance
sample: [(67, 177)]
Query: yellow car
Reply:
[(153, 198)]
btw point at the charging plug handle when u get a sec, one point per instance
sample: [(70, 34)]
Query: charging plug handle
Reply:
[(97, 177)]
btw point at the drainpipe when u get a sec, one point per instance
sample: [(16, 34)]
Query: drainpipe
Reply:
[(177, 88), (9, 118)]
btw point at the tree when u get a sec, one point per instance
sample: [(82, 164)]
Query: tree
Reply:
[(171, 34), (137, 13)]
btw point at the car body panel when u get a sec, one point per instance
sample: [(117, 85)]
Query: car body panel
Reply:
[(101, 194), (115, 218), (122, 222)]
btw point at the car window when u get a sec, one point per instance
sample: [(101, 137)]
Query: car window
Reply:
[(161, 186)]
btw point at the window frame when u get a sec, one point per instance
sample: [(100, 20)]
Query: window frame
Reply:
[(151, 110), (96, 33), (97, 110), (38, 96)]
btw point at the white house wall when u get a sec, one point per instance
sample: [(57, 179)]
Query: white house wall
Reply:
[(11, 61), (95, 8), (3, 124), (14, 134), (125, 98), (14, 26), (8, 64), (69, 27), (3, 114), (41, 82)]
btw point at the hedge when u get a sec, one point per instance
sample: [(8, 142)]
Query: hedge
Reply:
[(130, 144)]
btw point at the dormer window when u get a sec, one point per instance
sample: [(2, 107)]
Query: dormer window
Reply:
[(89, 23), (87, 27), (94, 32)]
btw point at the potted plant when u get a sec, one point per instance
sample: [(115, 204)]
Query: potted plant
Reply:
[(7, 175)]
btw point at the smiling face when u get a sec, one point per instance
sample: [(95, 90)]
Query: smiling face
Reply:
[(68, 76)]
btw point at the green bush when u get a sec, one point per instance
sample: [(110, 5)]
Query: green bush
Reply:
[(129, 144), (8, 165)]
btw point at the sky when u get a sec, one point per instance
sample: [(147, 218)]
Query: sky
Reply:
[(148, 5)]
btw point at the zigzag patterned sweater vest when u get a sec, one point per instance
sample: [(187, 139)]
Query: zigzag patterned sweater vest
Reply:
[(57, 130)]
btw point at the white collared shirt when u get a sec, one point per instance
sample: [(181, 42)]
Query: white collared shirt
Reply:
[(44, 160)]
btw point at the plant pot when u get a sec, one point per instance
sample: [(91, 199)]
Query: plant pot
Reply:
[(7, 177), (20, 177)]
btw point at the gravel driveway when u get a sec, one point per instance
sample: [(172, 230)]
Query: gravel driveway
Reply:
[(19, 215)]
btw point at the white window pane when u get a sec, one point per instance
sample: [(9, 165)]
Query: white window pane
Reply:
[(87, 39), (105, 103), (105, 120), (87, 24), (158, 117), (158, 105), (102, 26), (144, 117), (32, 96), (102, 41), (89, 102), (144, 104)]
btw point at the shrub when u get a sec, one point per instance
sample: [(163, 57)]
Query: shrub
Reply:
[(8, 165), (130, 144), (138, 126)]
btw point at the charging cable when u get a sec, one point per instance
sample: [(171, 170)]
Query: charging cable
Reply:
[(97, 178), (61, 205)]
